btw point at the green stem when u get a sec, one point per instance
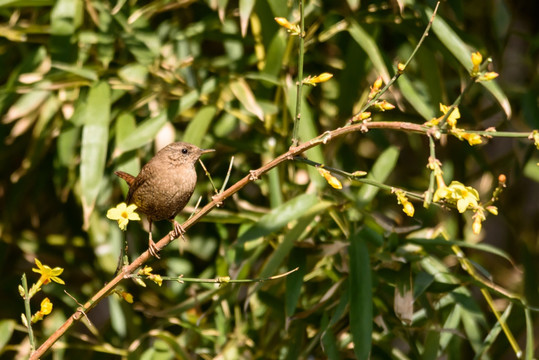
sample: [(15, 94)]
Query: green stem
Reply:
[(28, 314), (299, 83), (362, 180), (399, 72), (430, 191)]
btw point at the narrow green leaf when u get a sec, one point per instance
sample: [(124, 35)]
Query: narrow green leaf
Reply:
[(77, 70), (6, 330), (432, 343), (530, 346), (328, 340), (368, 44), (418, 102), (380, 171), (429, 243), (361, 306), (462, 52), (493, 334), (279, 8), (450, 327), (294, 281), (66, 17), (95, 135), (134, 74), (284, 248), (279, 217), (198, 126), (246, 7), (26, 104), (144, 133), (117, 316), (243, 93)]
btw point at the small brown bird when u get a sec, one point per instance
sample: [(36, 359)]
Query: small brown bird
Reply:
[(164, 185)]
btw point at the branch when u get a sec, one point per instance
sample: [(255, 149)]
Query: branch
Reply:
[(217, 200)]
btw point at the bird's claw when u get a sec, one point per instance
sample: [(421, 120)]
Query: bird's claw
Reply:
[(152, 248), (177, 232)]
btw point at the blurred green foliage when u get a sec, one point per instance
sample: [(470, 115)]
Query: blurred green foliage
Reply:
[(90, 87)]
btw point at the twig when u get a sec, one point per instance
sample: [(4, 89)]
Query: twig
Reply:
[(299, 83), (217, 199), (401, 70)]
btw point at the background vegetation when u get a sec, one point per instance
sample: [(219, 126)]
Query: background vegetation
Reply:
[(90, 87)]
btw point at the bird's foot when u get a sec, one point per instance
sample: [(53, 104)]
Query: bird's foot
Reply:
[(152, 248), (177, 232)]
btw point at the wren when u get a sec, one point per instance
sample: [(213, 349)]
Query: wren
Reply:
[(164, 186)]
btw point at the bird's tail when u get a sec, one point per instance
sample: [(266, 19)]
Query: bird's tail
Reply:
[(129, 179)]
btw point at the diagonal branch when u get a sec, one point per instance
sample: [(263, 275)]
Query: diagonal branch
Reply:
[(218, 199)]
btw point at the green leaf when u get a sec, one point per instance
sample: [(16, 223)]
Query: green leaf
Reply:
[(95, 136), (77, 70), (418, 102), (246, 7), (368, 44), (243, 93), (432, 343), (198, 126), (6, 330), (278, 218), (361, 306), (380, 171), (463, 52), (294, 281), (144, 133)]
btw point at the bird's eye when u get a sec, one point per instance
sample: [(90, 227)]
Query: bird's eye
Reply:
[(184, 151)]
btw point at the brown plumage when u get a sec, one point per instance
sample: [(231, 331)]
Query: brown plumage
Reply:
[(164, 185)]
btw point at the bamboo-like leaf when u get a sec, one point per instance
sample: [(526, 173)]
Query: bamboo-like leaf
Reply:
[(246, 7), (380, 171), (244, 94), (6, 331), (198, 126), (463, 52), (279, 217), (144, 133), (95, 136), (368, 44), (361, 306)]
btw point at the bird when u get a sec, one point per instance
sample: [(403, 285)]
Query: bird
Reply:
[(164, 186)]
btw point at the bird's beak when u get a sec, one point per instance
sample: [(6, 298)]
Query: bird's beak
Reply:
[(205, 151)]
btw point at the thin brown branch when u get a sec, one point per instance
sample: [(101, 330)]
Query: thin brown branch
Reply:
[(217, 199)]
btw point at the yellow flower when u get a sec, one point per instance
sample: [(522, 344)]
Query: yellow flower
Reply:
[(401, 67), (383, 105), (332, 180), (46, 308), (456, 193), (407, 206), (293, 29), (453, 117), (123, 214), (318, 79), (478, 219), (48, 274), (125, 295), (473, 139), (464, 196), (363, 116), (375, 88), (491, 75), (156, 278), (146, 270), (477, 59)]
